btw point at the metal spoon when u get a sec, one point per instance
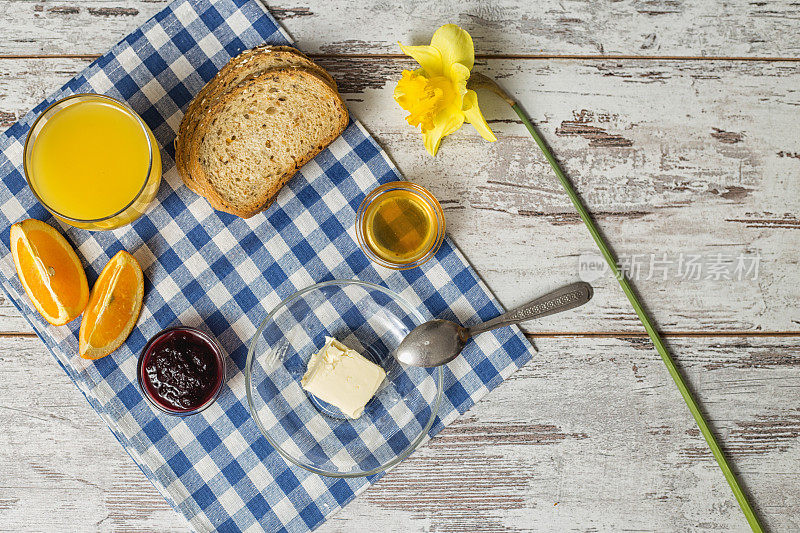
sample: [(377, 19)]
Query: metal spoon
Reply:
[(438, 342)]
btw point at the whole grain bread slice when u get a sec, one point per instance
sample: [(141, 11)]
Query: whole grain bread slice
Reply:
[(249, 63), (254, 139), (265, 57)]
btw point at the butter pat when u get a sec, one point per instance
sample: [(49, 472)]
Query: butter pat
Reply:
[(342, 377)]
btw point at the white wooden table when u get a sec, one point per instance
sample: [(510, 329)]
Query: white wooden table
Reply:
[(678, 122)]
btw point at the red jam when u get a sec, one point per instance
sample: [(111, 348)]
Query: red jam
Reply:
[(181, 370)]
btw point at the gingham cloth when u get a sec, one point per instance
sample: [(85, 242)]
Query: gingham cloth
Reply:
[(219, 272)]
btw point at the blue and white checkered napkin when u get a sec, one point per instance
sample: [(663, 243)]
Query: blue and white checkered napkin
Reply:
[(222, 273)]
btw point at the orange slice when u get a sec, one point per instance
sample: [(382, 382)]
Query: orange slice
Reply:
[(113, 308), (50, 271)]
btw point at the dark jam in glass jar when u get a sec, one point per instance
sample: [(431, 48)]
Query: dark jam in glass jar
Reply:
[(181, 370)]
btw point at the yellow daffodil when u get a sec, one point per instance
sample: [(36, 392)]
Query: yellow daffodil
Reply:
[(436, 95)]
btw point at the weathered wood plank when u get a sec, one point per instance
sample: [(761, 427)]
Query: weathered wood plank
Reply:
[(547, 27), (675, 158), (591, 434)]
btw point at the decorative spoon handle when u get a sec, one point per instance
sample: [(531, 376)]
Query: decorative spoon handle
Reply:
[(568, 297)]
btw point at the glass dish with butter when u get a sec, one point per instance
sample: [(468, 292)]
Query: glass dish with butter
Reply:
[(324, 388)]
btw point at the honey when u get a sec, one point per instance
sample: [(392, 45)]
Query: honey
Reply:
[(400, 224)]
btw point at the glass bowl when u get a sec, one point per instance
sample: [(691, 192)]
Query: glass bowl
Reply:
[(408, 190), (149, 391), (313, 434)]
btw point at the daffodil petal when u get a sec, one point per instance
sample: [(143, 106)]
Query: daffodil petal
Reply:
[(429, 58), (473, 115), (444, 124), (459, 74), (455, 46)]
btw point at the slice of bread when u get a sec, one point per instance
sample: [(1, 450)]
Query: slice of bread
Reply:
[(249, 63), (248, 144), (265, 57)]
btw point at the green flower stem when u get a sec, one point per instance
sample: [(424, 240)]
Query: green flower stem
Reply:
[(752, 519)]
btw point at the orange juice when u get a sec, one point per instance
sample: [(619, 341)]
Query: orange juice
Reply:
[(92, 162)]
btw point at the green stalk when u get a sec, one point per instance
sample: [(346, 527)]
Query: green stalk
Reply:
[(478, 80)]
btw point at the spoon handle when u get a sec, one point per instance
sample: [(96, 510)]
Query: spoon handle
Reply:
[(568, 297)]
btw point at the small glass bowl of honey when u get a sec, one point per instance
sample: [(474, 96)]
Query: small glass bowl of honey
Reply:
[(400, 225)]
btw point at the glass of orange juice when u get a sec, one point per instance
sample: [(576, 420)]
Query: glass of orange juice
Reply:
[(92, 162)]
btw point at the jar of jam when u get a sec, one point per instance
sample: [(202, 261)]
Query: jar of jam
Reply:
[(181, 371)]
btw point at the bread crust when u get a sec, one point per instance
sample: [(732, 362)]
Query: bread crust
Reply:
[(224, 81), (265, 200)]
